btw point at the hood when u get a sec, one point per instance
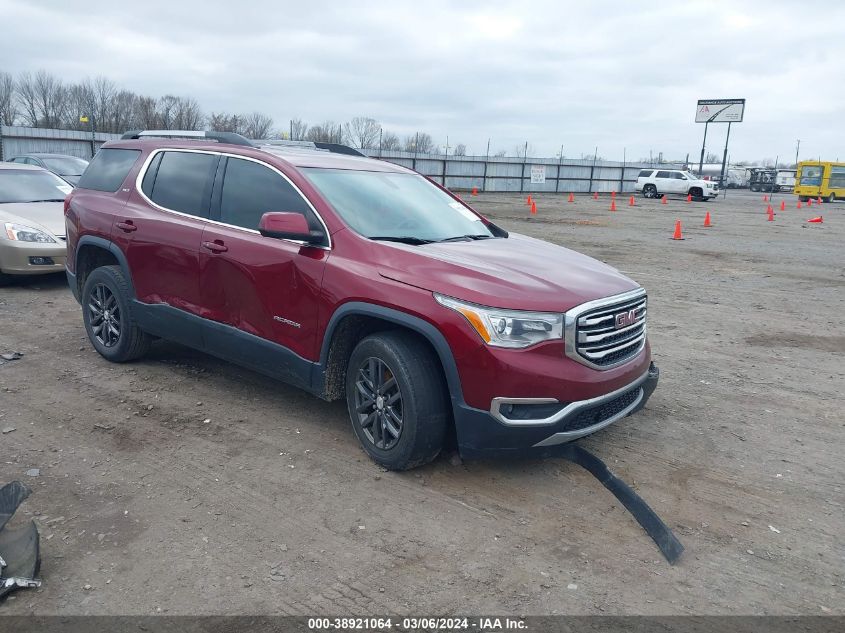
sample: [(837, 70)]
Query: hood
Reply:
[(518, 272), (49, 215)]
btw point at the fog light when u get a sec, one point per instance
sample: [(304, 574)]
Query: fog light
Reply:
[(41, 261)]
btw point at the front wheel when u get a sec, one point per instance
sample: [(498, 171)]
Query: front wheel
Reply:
[(649, 191), (831, 198), (397, 399), (696, 193), (108, 321)]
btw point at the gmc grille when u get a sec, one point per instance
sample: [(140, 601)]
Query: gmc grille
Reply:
[(608, 332)]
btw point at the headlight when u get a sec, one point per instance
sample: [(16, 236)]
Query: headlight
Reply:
[(507, 328), (23, 233)]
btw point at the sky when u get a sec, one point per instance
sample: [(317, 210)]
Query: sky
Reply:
[(620, 76)]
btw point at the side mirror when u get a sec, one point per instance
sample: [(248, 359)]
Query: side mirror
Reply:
[(287, 226)]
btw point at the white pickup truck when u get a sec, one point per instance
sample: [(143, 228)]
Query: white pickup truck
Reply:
[(655, 183)]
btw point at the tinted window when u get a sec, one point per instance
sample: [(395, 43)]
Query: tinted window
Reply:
[(183, 182), (108, 169), (250, 190), (663, 174), (678, 175), (645, 173)]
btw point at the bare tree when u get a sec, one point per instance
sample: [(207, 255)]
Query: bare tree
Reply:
[(298, 130), (326, 132), (187, 114), (146, 113), (257, 125), (500, 154), (460, 150), (712, 157), (224, 122), (362, 132), (390, 141), (419, 143), (8, 106)]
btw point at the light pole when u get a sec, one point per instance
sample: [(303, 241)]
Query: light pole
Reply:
[(797, 147)]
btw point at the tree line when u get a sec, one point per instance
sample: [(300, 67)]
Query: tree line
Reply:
[(43, 100)]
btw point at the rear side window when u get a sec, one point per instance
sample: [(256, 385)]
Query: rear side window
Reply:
[(664, 174), (250, 190), (645, 173), (108, 170), (182, 181)]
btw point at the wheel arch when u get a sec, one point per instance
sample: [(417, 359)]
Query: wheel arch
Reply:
[(93, 252), (354, 320)]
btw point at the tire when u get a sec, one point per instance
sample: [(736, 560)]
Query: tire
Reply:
[(118, 339), (402, 364), (831, 199), (5, 279), (696, 193), (754, 188), (649, 191)]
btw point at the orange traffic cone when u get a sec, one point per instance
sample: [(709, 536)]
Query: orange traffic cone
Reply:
[(783, 205), (707, 223), (689, 197), (765, 198), (595, 195), (810, 202), (613, 194), (613, 205), (528, 200), (631, 202), (475, 191), (677, 235), (798, 206), (770, 213), (819, 200), (818, 220), (533, 208), (571, 197), (664, 200)]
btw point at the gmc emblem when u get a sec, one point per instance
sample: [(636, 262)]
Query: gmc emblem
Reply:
[(624, 319)]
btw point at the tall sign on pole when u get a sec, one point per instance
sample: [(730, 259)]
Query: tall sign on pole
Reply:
[(718, 111)]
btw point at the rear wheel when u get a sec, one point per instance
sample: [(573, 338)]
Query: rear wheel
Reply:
[(649, 191), (832, 197), (107, 317), (397, 399)]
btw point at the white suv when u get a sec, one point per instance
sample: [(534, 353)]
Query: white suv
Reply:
[(655, 183)]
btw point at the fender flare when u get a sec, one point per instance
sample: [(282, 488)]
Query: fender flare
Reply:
[(111, 247), (425, 329)]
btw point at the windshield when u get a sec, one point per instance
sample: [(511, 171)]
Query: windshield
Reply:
[(19, 185), (406, 207), (689, 176), (65, 165), (811, 175)]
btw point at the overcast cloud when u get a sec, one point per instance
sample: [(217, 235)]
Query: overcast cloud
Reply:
[(582, 74)]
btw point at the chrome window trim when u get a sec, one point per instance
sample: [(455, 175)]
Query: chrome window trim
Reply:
[(143, 172), (570, 323), (568, 410)]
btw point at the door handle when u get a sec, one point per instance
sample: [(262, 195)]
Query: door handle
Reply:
[(127, 226), (216, 246)]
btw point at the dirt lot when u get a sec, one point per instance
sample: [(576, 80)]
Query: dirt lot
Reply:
[(184, 485)]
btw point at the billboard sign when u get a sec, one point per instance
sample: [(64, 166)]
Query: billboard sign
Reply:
[(719, 110), (538, 174)]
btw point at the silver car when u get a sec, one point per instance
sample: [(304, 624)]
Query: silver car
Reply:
[(32, 222), (68, 167)]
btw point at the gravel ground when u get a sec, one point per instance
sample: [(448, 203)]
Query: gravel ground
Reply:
[(183, 485)]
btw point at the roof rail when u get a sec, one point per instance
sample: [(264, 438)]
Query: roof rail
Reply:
[(337, 148), (221, 137)]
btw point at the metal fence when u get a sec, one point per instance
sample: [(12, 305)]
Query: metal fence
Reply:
[(509, 173), (16, 140), (493, 173)]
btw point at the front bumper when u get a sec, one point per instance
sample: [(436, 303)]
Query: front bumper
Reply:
[(492, 434), (17, 258)]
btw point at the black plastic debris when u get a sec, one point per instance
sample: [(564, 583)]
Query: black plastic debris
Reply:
[(19, 548), (660, 533)]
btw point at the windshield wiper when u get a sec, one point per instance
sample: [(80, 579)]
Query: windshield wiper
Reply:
[(460, 238), (405, 239), (48, 200)]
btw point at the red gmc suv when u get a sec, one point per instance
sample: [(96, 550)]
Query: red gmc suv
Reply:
[(354, 278)]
